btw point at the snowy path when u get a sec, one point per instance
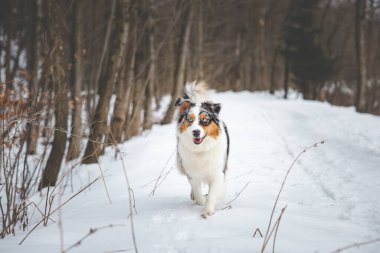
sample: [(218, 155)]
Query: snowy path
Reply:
[(332, 194)]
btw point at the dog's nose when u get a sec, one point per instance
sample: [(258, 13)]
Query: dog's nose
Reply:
[(196, 133)]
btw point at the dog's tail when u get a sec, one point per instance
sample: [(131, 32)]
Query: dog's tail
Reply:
[(197, 91)]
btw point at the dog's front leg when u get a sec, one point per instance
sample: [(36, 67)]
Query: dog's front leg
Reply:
[(216, 188), (196, 192)]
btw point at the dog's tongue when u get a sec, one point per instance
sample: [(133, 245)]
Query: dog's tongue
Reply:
[(197, 140)]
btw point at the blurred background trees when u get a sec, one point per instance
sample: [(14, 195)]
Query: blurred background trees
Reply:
[(308, 61), (94, 70)]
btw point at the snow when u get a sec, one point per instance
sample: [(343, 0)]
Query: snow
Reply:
[(332, 193)]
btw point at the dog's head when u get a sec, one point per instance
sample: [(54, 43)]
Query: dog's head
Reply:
[(198, 124)]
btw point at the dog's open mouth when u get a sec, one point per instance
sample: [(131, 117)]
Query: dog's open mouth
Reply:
[(198, 141)]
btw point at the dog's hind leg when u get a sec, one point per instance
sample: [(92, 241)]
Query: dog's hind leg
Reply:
[(216, 189), (196, 192)]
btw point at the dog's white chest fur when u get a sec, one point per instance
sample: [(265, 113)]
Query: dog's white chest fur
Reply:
[(203, 163)]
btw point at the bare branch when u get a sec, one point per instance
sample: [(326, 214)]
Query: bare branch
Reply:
[(90, 232), (356, 245)]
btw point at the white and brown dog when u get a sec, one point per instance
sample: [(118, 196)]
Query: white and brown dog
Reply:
[(203, 145)]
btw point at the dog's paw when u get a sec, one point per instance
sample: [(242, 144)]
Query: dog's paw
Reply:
[(207, 212)]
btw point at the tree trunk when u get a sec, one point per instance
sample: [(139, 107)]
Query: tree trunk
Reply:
[(200, 59), (307, 89), (371, 52), (140, 76), (273, 72), (121, 113), (237, 83), (247, 70), (148, 122), (127, 110), (131, 86), (33, 64), (134, 123), (107, 82), (58, 77), (286, 77), (262, 52), (118, 116), (360, 55), (95, 16), (181, 64), (76, 86)]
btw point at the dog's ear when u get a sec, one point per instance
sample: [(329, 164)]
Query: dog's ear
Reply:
[(184, 105), (216, 108), (211, 107), (179, 101)]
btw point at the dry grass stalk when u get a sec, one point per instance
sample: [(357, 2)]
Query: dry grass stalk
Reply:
[(157, 183), (90, 232), (268, 232), (228, 205), (132, 202), (59, 207), (356, 245)]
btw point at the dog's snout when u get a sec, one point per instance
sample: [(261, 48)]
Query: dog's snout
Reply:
[(196, 133)]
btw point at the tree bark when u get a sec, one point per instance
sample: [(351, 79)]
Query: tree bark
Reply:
[(58, 76), (107, 82), (138, 73), (33, 64), (118, 116), (273, 72), (134, 124), (262, 51), (131, 86), (371, 52), (360, 55), (200, 59), (76, 86), (286, 77), (148, 122), (121, 113), (95, 19), (181, 64)]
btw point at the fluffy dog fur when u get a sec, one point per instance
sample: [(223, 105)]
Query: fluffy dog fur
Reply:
[(202, 145)]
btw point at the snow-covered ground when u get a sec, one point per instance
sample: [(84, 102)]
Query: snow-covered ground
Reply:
[(332, 193)]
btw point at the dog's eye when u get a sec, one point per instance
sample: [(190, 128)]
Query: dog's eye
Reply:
[(205, 122), (189, 119)]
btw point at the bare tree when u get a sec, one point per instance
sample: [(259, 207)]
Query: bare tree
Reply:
[(57, 66), (148, 122), (361, 71), (77, 80), (121, 104), (127, 111), (134, 123), (108, 80), (180, 72), (33, 64)]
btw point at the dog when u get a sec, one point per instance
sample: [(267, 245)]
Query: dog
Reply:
[(203, 145)]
